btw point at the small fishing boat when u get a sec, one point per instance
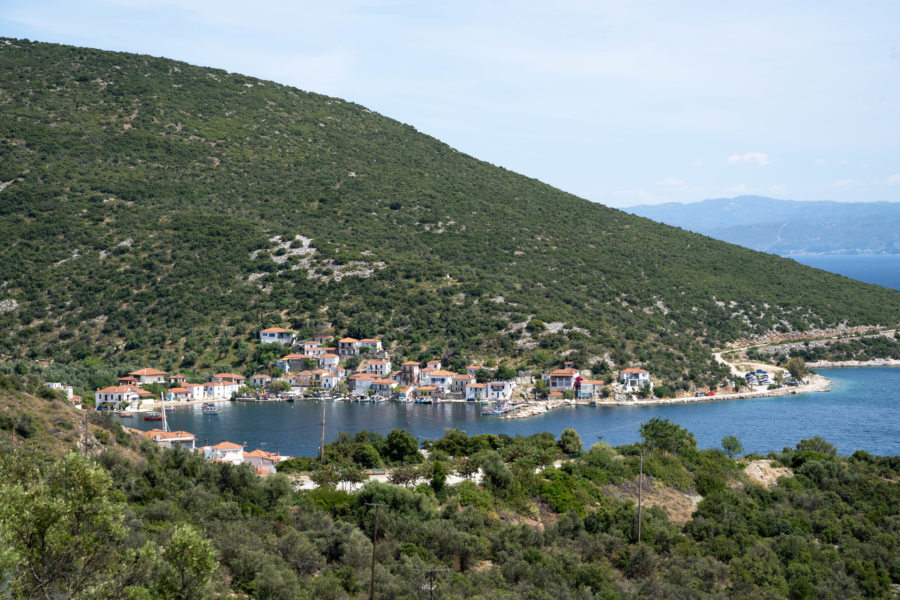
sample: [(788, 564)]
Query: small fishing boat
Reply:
[(209, 408), (154, 416), (125, 415)]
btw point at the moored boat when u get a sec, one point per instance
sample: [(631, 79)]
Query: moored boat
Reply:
[(209, 408), (125, 415), (154, 416)]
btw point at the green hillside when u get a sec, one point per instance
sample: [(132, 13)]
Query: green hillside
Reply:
[(157, 212)]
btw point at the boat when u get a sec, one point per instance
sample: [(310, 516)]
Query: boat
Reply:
[(125, 415), (154, 416), (209, 408)]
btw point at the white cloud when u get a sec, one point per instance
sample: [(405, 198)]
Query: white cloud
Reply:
[(750, 158), (893, 180), (842, 183)]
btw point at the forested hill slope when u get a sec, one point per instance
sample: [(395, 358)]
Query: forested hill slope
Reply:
[(156, 211)]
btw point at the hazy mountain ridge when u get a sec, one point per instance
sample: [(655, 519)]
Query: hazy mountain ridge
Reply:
[(161, 212), (785, 226)]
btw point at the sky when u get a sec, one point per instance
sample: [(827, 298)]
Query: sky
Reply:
[(620, 102)]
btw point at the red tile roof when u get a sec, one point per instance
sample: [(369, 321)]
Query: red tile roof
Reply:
[(276, 330), (634, 370), (348, 340), (147, 372), (226, 446)]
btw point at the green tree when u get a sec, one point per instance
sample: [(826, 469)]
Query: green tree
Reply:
[(732, 446), (570, 442), (63, 535), (660, 434), (438, 476), (189, 563), (797, 367), (541, 388), (402, 447)]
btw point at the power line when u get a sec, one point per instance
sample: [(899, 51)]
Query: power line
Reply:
[(377, 505)]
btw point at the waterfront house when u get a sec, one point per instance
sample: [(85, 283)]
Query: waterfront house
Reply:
[(348, 347), (403, 393), (634, 379), (458, 386), (500, 390), (383, 386), (382, 368), (195, 389), (276, 335), (562, 379), (260, 379), (361, 382), (170, 439), (427, 391), (441, 380), (409, 373), (142, 393), (219, 390), (476, 392), (303, 379), (225, 452), (115, 397), (329, 381), (178, 394), (176, 379), (148, 375), (229, 378), (589, 389)]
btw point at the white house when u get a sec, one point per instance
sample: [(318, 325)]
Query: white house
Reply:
[(383, 386), (264, 462), (434, 365), (195, 389), (361, 382), (53, 385), (219, 390), (382, 368), (371, 343), (330, 381), (178, 394), (260, 379), (634, 379), (441, 380), (460, 382), (276, 335), (225, 451), (114, 397), (475, 392), (500, 390), (170, 439), (329, 361), (149, 376), (348, 346), (409, 372), (229, 378)]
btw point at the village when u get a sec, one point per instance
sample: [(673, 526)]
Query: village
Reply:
[(362, 370)]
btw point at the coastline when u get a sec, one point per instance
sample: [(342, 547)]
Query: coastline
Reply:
[(815, 383), (850, 364)]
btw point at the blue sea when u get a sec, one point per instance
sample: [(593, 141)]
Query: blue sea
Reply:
[(880, 269), (862, 411)]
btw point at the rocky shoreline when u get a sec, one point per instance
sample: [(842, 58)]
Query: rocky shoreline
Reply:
[(814, 383), (838, 364)]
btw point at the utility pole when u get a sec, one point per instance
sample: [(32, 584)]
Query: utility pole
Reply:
[(322, 451), (377, 505), (640, 484), (431, 572)]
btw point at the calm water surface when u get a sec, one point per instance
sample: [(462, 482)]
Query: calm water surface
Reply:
[(881, 269), (861, 412)]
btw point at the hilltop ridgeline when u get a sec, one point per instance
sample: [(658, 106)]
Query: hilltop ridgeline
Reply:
[(158, 212)]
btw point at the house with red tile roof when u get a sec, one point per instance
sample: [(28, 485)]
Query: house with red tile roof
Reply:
[(562, 379), (229, 378), (178, 394), (149, 375), (378, 367), (383, 386), (293, 362), (225, 452), (170, 439), (115, 397), (361, 382), (329, 361), (348, 347), (634, 379), (374, 345), (260, 379), (276, 335), (176, 379), (441, 380), (409, 372), (476, 392), (460, 382)]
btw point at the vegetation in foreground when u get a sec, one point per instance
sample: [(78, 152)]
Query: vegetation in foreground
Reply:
[(547, 521), (152, 211)]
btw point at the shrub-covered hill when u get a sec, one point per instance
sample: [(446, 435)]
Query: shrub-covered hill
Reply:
[(134, 521), (153, 211)]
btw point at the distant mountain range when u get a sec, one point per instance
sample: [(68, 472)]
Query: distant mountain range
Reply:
[(787, 227)]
